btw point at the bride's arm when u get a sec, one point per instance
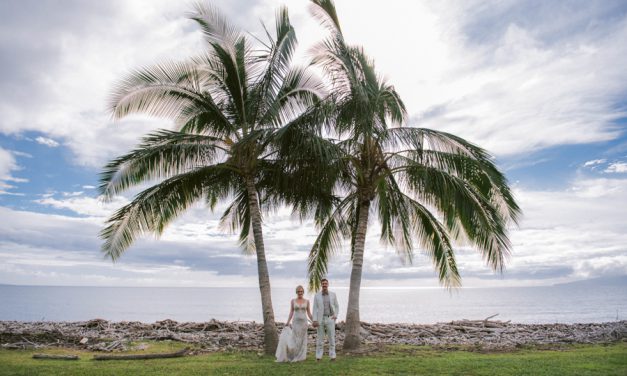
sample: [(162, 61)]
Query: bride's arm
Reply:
[(309, 311), (289, 319)]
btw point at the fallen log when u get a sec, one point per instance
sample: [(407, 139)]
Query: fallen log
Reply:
[(489, 317), (142, 356), (55, 356)]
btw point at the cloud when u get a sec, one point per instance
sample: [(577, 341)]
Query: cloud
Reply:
[(601, 188), (497, 73), (594, 162), (68, 63), (514, 92), (565, 235), (8, 165), (577, 228), (47, 141), (84, 205), (21, 154), (500, 73), (39, 246), (616, 167)]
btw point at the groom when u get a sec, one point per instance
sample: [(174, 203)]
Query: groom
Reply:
[(325, 311)]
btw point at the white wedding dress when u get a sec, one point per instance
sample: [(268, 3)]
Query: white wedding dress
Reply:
[(293, 341)]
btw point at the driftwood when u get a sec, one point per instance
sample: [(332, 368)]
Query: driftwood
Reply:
[(107, 336), (55, 356), (142, 356)]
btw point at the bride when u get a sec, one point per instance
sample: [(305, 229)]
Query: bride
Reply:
[(293, 340)]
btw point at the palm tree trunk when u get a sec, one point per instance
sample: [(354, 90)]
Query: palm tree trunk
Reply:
[(353, 326), (271, 336)]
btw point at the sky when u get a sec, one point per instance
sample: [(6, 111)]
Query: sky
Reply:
[(541, 85)]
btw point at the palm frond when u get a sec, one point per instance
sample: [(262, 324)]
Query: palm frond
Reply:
[(405, 220), (232, 76), (162, 154), (215, 27), (324, 11), (483, 175), (299, 91), (435, 241), (278, 58), (391, 104), (329, 241), (209, 120), (394, 217), (464, 208), (152, 209), (440, 141), (332, 56), (302, 139), (237, 217), (161, 90)]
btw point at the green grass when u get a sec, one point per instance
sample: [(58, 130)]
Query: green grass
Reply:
[(396, 360)]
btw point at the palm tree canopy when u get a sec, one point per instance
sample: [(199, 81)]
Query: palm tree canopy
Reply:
[(242, 114), (429, 189)]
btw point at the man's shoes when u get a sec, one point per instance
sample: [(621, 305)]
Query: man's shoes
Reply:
[(317, 359), (333, 359)]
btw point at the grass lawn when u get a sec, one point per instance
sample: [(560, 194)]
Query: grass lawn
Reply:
[(394, 360)]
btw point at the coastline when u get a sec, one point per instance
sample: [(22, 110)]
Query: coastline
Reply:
[(215, 336)]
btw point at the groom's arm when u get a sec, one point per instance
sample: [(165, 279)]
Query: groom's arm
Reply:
[(315, 311)]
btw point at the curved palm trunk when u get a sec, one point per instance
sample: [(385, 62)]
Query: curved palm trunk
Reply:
[(271, 337), (353, 326)]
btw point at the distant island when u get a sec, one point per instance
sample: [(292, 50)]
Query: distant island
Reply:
[(602, 281)]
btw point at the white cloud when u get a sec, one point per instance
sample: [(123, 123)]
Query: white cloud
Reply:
[(72, 194), (47, 141), (594, 162), (617, 167), (580, 228), (510, 89), (24, 264), (84, 205), (600, 188), (85, 53), (8, 165), (21, 154), (565, 235), (511, 92), (516, 94), (38, 248)]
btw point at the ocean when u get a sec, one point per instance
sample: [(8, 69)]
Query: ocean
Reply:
[(555, 304)]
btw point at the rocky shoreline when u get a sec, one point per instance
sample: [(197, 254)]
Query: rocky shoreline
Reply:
[(488, 335)]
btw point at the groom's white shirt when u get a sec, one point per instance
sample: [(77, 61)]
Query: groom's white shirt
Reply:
[(318, 307)]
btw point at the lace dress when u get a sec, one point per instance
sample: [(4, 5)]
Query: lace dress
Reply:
[(293, 341)]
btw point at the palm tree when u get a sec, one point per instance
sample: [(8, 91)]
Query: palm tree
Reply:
[(426, 188), (239, 113)]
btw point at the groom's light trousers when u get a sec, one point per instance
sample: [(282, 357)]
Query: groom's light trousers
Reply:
[(326, 328)]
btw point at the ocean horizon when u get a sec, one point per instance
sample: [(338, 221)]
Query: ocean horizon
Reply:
[(569, 303)]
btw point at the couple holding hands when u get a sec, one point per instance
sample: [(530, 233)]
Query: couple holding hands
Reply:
[(293, 340)]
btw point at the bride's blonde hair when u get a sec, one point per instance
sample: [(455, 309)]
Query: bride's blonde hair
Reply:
[(300, 287)]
